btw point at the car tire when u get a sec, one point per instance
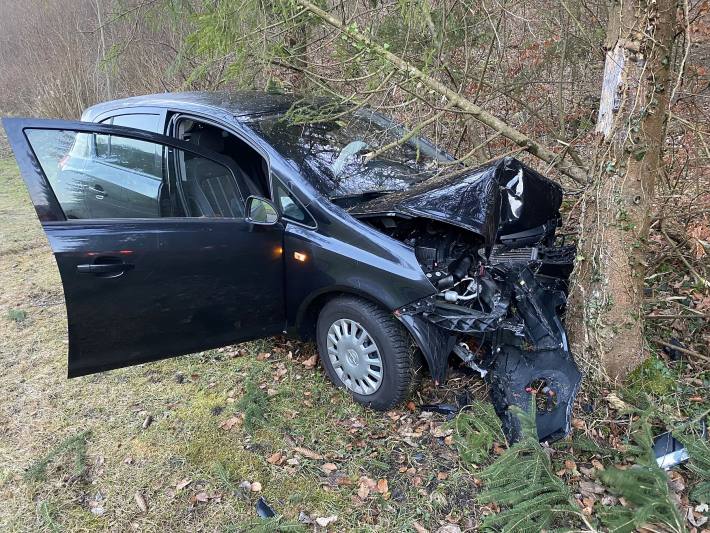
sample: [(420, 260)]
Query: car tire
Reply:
[(355, 367)]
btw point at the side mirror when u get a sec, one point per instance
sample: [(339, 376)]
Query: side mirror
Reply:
[(261, 211)]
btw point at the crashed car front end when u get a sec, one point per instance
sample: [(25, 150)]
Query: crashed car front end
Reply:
[(486, 241)]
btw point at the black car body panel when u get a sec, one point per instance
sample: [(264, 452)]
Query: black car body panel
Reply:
[(499, 199), (468, 261)]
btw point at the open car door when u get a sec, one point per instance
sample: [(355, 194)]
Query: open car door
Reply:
[(156, 256)]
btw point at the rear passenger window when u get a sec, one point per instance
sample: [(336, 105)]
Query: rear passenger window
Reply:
[(120, 185), (140, 155)]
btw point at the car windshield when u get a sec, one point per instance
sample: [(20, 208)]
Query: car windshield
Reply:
[(340, 156)]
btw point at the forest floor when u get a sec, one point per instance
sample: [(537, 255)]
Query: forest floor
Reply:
[(192, 443)]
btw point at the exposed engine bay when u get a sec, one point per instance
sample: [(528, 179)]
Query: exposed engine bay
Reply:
[(500, 294)]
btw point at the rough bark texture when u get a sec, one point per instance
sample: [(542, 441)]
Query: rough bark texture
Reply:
[(631, 123)]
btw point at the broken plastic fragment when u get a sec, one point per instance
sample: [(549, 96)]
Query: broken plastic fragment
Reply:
[(263, 509), (669, 451)]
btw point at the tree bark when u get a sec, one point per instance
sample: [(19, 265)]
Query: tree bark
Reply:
[(608, 292)]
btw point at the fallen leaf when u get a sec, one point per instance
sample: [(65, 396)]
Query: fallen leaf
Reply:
[(449, 528), (412, 407), (441, 476), (701, 237), (419, 528), (329, 468), (231, 423), (311, 361), (256, 487), (308, 453), (597, 464), (275, 458), (366, 485), (201, 497), (140, 502), (578, 423), (589, 487), (382, 486), (182, 484), (617, 403), (441, 431), (326, 521)]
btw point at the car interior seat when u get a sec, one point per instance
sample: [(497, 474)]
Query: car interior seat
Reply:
[(211, 189)]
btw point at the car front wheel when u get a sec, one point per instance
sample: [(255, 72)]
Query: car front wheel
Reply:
[(365, 350)]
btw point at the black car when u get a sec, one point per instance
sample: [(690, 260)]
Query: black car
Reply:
[(183, 222)]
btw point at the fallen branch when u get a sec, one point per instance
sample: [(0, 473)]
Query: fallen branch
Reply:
[(455, 99), (686, 351), (700, 279)]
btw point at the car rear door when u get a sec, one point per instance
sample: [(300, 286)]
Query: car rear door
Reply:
[(156, 278)]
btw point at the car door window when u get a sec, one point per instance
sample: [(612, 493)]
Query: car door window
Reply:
[(140, 155), (290, 207), (94, 185)]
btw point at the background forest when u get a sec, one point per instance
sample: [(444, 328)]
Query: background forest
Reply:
[(542, 69)]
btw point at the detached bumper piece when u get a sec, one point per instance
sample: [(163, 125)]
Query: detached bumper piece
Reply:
[(516, 320)]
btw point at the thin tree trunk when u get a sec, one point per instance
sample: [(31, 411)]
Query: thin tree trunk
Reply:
[(456, 100), (632, 116)]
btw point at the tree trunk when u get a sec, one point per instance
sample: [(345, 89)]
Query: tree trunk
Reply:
[(637, 82)]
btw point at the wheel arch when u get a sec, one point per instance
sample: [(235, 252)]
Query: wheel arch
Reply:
[(307, 320), (307, 316)]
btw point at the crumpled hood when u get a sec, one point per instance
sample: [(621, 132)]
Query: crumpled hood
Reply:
[(498, 199)]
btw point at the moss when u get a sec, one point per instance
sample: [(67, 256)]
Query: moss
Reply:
[(651, 377)]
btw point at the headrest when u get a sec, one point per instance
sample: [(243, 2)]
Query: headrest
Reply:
[(209, 138)]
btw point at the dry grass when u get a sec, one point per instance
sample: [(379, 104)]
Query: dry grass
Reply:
[(188, 398)]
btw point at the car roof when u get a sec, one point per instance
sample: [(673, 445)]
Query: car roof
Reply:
[(238, 104)]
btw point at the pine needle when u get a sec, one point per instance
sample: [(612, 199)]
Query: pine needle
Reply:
[(524, 485), (644, 487), (75, 444), (477, 428)]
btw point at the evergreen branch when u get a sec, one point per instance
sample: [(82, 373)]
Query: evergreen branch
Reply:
[(644, 487)]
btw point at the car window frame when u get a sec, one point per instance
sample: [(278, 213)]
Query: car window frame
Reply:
[(286, 185), (141, 135), (177, 115)]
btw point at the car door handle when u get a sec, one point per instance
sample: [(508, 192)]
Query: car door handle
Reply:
[(99, 191), (103, 268)]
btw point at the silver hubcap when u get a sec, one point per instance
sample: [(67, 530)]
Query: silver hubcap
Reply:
[(354, 356)]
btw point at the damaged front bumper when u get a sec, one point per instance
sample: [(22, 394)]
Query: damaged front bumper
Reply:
[(520, 342)]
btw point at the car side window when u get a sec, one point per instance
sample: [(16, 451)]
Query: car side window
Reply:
[(140, 155), (89, 186), (290, 207)]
